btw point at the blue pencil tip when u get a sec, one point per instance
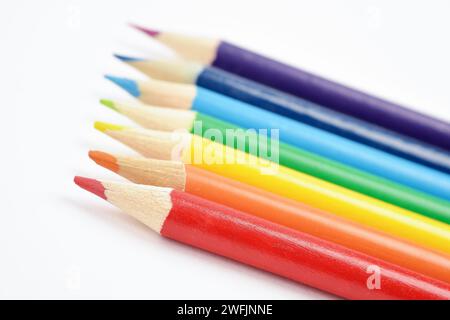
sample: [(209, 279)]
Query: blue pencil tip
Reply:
[(127, 58), (128, 85)]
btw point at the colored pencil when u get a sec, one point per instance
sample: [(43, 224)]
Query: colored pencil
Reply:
[(251, 65), (241, 166), (287, 212), (300, 135), (273, 100), (263, 244), (157, 118)]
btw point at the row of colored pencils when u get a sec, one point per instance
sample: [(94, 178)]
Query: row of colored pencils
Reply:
[(351, 197)]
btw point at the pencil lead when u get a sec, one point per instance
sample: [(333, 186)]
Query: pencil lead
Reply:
[(105, 160), (128, 85), (150, 32), (127, 58), (104, 126), (110, 104), (91, 185)]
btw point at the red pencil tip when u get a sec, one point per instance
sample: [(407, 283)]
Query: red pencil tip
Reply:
[(91, 185), (150, 32)]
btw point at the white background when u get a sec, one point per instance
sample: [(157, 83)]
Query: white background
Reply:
[(58, 241)]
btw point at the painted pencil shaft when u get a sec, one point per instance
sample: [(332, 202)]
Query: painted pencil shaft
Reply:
[(271, 177), (156, 118), (294, 255), (287, 212), (265, 245), (273, 100), (298, 134), (333, 95)]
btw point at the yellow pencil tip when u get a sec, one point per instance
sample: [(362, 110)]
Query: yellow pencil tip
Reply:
[(104, 126)]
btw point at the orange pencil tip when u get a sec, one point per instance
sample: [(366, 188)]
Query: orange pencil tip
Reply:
[(105, 160)]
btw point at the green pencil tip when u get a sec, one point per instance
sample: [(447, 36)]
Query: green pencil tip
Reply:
[(109, 103)]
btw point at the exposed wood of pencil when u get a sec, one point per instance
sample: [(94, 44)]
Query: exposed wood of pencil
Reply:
[(194, 48), (175, 70), (139, 139), (154, 117), (168, 94), (161, 173), (161, 93), (278, 209), (263, 244)]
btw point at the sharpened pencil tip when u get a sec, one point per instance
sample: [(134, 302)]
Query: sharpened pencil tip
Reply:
[(104, 126), (127, 58), (105, 160), (110, 104), (91, 185), (150, 32), (128, 85)]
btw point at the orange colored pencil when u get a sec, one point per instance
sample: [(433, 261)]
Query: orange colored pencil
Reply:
[(277, 209)]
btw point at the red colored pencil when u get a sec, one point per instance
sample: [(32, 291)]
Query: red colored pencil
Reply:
[(265, 245)]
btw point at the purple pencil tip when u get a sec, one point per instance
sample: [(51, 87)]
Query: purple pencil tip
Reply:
[(150, 32)]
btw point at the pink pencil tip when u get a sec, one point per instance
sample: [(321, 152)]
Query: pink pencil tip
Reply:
[(150, 32), (91, 185)]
